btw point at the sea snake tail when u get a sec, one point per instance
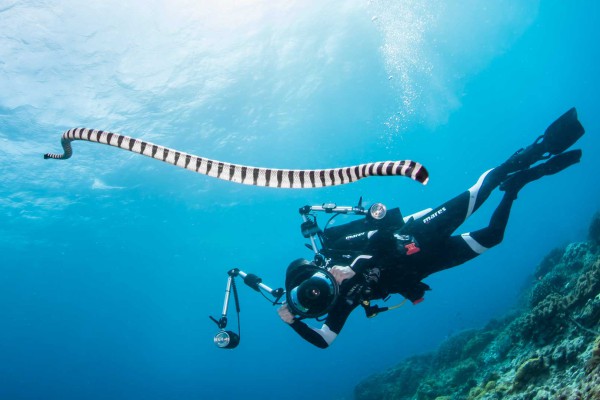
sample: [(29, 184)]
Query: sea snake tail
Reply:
[(268, 177)]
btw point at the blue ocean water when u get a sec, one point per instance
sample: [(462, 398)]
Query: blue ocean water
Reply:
[(110, 262)]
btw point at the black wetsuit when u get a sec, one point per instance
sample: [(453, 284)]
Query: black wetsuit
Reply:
[(422, 247)]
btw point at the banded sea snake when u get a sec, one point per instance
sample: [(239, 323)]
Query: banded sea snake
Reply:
[(258, 176)]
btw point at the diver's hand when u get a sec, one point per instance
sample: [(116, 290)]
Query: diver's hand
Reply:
[(285, 314), (342, 273)]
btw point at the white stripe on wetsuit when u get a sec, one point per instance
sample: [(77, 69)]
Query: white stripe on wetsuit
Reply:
[(474, 191), (473, 244), (361, 257), (327, 334)]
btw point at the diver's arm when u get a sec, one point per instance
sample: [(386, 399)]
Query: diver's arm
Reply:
[(324, 336), (318, 337), (361, 264), (341, 273), (321, 338)]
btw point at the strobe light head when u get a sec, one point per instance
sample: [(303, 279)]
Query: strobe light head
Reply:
[(310, 291), (227, 340), (377, 211)]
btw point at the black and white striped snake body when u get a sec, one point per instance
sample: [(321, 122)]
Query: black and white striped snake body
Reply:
[(268, 177)]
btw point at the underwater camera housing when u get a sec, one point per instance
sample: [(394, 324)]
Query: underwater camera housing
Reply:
[(310, 290)]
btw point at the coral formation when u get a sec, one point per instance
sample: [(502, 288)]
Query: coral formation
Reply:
[(594, 231), (411, 372), (548, 263), (548, 349), (529, 371)]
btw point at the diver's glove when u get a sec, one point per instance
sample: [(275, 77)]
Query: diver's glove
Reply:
[(285, 314), (341, 273)]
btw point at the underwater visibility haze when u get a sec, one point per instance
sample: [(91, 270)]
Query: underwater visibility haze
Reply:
[(111, 262)]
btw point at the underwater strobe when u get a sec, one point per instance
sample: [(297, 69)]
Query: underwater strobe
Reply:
[(226, 339)]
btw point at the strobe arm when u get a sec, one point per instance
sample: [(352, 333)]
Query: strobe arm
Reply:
[(334, 208), (256, 283), (222, 322), (330, 208), (228, 339)]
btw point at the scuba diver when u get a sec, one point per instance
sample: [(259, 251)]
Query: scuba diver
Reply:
[(370, 260)]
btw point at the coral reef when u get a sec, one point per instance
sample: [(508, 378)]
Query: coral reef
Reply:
[(594, 231), (548, 349), (411, 372)]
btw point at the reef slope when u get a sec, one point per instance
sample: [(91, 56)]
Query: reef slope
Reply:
[(548, 349)]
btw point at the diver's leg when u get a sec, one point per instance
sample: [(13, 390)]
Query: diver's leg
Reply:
[(493, 178), (518, 180), (561, 134), (459, 249), (441, 221), (456, 250), (490, 236), (493, 234)]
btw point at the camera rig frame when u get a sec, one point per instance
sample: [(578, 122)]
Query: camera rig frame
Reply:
[(310, 230)]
